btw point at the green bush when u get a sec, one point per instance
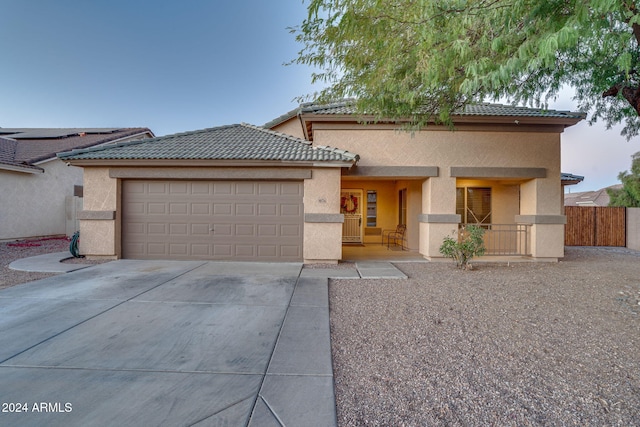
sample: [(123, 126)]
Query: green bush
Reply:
[(469, 244)]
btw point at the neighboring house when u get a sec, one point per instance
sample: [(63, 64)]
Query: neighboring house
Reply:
[(247, 193), (36, 186), (590, 198)]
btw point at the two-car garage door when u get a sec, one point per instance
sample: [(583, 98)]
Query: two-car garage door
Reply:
[(225, 220)]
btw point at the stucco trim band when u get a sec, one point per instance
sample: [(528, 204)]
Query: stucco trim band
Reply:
[(491, 172), (323, 218), (394, 171), (97, 215), (440, 218), (209, 173), (541, 219)]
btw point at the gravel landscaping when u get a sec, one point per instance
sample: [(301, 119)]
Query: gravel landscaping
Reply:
[(11, 251), (504, 345)]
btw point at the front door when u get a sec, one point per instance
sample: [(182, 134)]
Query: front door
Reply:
[(351, 208)]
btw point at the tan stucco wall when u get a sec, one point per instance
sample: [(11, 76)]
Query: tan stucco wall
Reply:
[(322, 240), (101, 194), (291, 127), (34, 204), (489, 148), (633, 228)]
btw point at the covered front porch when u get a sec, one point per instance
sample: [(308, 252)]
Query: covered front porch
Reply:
[(433, 207)]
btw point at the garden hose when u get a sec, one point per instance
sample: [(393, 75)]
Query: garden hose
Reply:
[(73, 246)]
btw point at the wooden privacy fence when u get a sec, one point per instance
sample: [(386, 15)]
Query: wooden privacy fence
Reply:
[(595, 226)]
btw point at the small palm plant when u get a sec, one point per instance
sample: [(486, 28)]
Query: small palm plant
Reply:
[(469, 244)]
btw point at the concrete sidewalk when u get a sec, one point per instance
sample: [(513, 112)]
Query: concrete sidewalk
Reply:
[(52, 263), (47, 263)]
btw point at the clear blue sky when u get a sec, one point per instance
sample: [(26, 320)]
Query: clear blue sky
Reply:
[(175, 66)]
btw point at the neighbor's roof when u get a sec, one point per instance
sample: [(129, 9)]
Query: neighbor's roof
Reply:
[(590, 198), (232, 142), (23, 148), (347, 107)]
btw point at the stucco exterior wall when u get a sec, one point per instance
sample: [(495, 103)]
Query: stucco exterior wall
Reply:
[(633, 228), (34, 204), (291, 127), (496, 147), (99, 237), (323, 221)]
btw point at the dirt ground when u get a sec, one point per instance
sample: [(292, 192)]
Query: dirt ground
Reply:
[(518, 345)]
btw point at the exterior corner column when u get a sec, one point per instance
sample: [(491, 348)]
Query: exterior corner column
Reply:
[(322, 238), (546, 236), (433, 230)]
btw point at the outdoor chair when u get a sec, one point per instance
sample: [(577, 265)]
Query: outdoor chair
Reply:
[(395, 236)]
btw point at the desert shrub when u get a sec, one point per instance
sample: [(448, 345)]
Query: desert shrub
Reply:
[(468, 244)]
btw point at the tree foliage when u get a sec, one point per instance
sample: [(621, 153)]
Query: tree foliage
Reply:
[(629, 195), (402, 57)]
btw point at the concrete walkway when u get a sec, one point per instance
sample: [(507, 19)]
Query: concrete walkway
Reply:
[(171, 343)]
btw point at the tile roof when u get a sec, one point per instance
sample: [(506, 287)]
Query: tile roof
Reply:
[(590, 198), (24, 147), (347, 107), (570, 179), (232, 142)]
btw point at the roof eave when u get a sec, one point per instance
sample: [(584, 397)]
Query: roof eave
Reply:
[(206, 163), (17, 168)]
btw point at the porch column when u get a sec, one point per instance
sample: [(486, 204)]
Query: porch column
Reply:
[(322, 218), (544, 214), (99, 229), (438, 219)]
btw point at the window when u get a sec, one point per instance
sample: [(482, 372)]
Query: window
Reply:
[(402, 206), (372, 208), (473, 204)]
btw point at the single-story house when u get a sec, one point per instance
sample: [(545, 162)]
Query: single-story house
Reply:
[(37, 188), (281, 192)]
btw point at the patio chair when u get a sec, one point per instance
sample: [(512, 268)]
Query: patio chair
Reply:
[(395, 236)]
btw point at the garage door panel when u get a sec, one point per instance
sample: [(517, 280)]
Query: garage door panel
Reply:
[(221, 230), (156, 188), (157, 229), (200, 250), (185, 202), (269, 189), (200, 229), (245, 188), (267, 230), (290, 210), (241, 220), (245, 251), (200, 209), (222, 209), (267, 209), (178, 229), (245, 209), (267, 250), (293, 251), (156, 208), (178, 249)]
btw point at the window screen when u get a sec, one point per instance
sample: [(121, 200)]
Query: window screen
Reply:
[(473, 204)]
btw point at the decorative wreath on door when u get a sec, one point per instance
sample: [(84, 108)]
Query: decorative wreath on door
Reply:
[(349, 204)]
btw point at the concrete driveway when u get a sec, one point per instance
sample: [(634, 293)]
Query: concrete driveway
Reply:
[(167, 343)]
